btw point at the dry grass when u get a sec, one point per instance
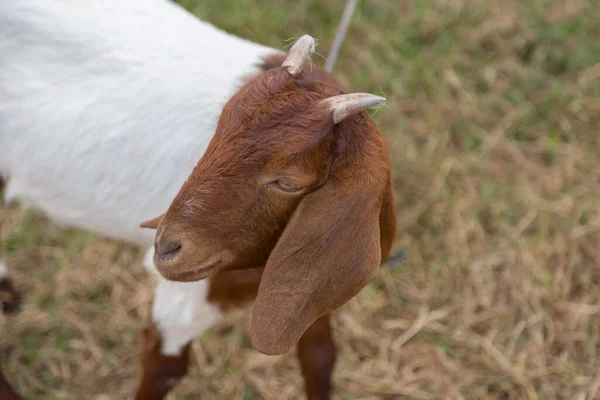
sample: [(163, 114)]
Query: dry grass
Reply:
[(493, 118)]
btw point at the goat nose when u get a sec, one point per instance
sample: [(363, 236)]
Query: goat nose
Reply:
[(164, 250)]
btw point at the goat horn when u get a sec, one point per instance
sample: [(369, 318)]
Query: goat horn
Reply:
[(346, 105), (299, 52)]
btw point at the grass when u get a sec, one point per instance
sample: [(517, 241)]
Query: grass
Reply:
[(493, 119)]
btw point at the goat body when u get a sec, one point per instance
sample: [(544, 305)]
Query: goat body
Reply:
[(105, 107)]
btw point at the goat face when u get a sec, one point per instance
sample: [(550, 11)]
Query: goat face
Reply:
[(284, 184)]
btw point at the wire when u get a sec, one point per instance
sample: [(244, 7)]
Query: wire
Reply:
[(340, 34)]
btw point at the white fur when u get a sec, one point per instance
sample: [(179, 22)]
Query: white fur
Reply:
[(182, 313), (3, 270), (180, 310), (105, 107)]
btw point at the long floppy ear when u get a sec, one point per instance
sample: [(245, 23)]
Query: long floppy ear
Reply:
[(328, 252), (330, 249), (152, 223)]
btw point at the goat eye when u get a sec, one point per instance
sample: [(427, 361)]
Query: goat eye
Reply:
[(286, 186)]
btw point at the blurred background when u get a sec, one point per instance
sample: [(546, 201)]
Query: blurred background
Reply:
[(493, 119)]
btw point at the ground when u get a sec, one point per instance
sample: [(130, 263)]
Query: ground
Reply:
[(493, 119)]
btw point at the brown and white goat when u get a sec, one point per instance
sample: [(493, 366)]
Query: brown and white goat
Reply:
[(290, 205)]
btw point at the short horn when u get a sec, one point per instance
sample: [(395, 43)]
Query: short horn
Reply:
[(346, 105), (299, 52)]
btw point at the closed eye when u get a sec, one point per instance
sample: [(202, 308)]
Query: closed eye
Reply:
[(286, 186)]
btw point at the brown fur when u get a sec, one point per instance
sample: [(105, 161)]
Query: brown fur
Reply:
[(9, 296), (316, 352), (160, 373), (319, 74), (230, 289), (304, 254), (6, 391)]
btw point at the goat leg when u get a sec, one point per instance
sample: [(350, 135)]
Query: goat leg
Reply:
[(6, 391), (9, 297), (317, 353), (160, 373)]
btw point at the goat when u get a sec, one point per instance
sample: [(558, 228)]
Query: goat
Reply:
[(294, 184), (105, 109)]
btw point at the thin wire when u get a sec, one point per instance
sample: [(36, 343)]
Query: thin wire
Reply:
[(340, 34)]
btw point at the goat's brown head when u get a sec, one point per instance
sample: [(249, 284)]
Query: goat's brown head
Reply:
[(293, 180)]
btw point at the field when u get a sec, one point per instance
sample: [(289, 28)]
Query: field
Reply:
[(493, 119)]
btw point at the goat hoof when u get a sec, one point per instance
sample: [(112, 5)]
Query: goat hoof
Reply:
[(9, 297)]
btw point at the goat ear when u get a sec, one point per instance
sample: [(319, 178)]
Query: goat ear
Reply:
[(345, 105), (152, 223), (328, 252)]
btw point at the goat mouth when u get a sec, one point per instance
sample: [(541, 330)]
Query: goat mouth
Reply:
[(193, 275)]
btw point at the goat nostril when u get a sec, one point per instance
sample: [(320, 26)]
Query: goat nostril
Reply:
[(170, 248)]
